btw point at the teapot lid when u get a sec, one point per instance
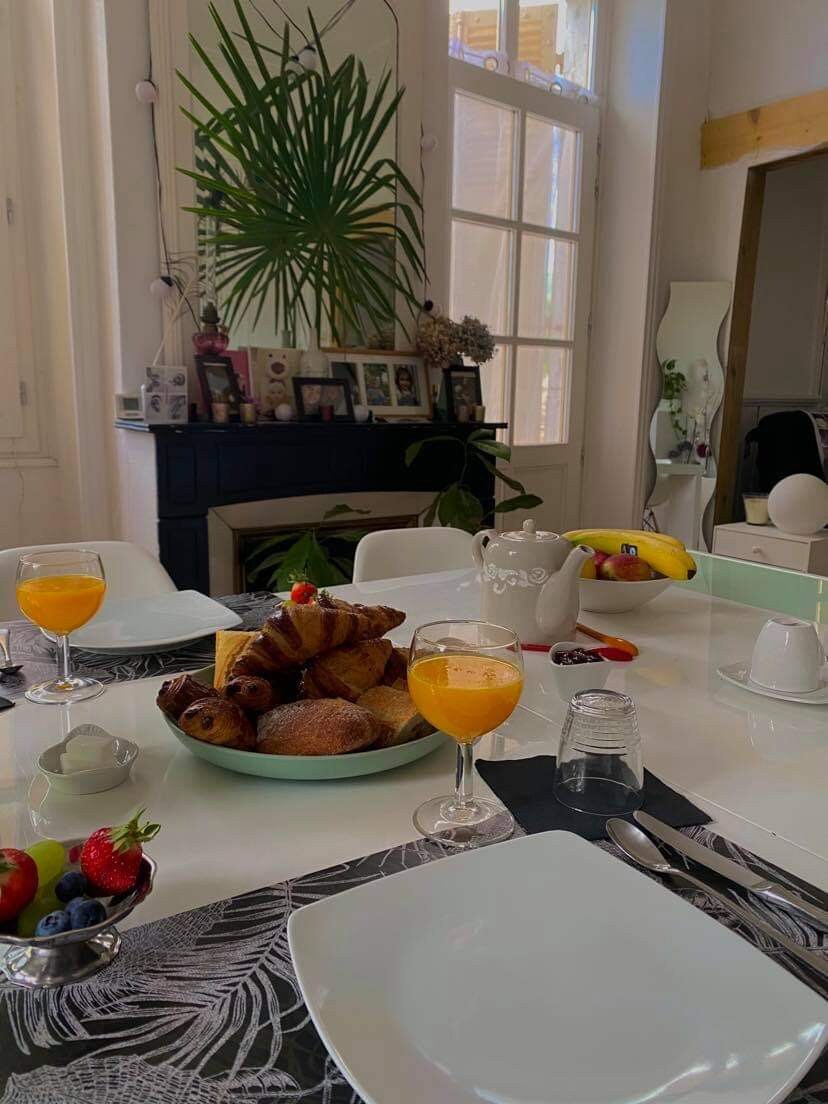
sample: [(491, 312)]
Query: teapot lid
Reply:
[(528, 532)]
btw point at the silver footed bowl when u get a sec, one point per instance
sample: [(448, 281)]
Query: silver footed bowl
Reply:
[(48, 960)]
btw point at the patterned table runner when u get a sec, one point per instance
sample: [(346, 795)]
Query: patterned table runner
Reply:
[(204, 1007), (31, 648)]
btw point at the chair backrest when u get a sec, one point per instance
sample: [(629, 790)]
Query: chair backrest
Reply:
[(390, 553), (131, 572)]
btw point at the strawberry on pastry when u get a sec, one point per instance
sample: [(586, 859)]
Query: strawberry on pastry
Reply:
[(18, 882), (111, 857)]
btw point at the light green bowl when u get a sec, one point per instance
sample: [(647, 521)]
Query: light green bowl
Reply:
[(315, 768)]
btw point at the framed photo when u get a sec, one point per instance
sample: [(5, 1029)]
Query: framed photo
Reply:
[(392, 385), (273, 371), (462, 388), (164, 395), (218, 382), (313, 392), (241, 366)]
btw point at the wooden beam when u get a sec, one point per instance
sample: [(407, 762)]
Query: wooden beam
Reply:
[(798, 123)]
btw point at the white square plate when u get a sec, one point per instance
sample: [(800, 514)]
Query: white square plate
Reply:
[(544, 971), (152, 624)]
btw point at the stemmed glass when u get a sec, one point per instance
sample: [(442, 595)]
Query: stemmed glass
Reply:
[(466, 678), (60, 591)]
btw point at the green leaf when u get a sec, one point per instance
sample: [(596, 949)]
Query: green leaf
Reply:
[(515, 484), (342, 508), (413, 450), (519, 502), (460, 508), (494, 448)]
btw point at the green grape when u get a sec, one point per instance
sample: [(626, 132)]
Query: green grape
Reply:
[(49, 857), (43, 902)]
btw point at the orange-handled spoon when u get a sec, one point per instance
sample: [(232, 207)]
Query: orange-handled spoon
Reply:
[(611, 641)]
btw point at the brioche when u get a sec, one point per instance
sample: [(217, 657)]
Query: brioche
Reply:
[(217, 721), (326, 726), (396, 710), (347, 672), (229, 642), (179, 692), (293, 634)]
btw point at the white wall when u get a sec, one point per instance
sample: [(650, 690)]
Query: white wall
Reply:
[(786, 327)]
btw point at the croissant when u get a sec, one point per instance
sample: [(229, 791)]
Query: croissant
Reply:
[(294, 634), (229, 643), (324, 727), (396, 670), (347, 672), (217, 721), (251, 693), (179, 692)]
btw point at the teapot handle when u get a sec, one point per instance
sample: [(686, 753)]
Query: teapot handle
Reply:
[(485, 535)]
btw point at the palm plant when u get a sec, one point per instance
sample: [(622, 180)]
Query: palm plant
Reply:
[(300, 204)]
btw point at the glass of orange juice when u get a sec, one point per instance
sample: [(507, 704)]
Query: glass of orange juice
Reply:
[(466, 678), (60, 590)]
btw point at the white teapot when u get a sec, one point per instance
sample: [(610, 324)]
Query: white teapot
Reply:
[(530, 582)]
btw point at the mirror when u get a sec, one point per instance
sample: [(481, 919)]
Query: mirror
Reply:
[(365, 28), (682, 434)]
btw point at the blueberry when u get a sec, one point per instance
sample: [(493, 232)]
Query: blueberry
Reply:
[(53, 923), (75, 903), (86, 914), (70, 885)]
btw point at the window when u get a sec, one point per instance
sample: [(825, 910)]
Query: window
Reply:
[(516, 244), (535, 41)]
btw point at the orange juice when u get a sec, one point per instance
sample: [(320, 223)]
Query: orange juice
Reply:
[(465, 695), (60, 603)]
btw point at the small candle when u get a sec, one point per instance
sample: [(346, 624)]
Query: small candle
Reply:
[(756, 509), (248, 413), (221, 412)]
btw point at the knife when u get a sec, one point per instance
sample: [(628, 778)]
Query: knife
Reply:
[(770, 891)]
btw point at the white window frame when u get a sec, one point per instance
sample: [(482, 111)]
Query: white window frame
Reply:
[(578, 114), (20, 437)]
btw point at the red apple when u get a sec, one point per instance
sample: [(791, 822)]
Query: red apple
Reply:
[(625, 568)]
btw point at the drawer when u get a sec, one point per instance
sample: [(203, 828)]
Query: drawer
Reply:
[(775, 551)]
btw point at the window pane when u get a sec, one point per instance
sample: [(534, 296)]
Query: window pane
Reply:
[(480, 261), (484, 137), (547, 270), (494, 382), (541, 415), (550, 183), (557, 39), (473, 28)]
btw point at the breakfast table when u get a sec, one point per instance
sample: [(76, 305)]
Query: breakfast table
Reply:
[(202, 1003)]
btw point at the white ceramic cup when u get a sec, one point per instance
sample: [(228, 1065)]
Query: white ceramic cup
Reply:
[(787, 656)]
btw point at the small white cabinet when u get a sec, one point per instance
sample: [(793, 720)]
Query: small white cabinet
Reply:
[(768, 545)]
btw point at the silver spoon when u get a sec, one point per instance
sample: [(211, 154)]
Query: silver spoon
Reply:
[(640, 848), (8, 667)]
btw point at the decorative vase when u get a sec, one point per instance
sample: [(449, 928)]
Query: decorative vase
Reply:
[(313, 362)]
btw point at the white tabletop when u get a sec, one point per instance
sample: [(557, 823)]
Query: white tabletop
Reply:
[(758, 767)]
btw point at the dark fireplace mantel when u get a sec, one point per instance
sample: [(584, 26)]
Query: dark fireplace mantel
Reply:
[(201, 465)]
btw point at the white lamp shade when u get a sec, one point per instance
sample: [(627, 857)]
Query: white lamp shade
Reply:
[(799, 504)]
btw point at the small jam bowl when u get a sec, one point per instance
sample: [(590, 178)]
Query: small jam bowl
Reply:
[(39, 962), (94, 780), (573, 678)]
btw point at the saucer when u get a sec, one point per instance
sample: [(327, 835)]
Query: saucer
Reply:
[(95, 779), (739, 675)]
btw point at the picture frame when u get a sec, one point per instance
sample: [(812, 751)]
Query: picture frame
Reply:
[(164, 394), (312, 392), (272, 370), (241, 366), (391, 385), (462, 387), (216, 377)]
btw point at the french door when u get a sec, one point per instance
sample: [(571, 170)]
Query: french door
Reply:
[(524, 164)]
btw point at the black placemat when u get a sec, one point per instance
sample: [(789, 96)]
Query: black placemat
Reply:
[(525, 788)]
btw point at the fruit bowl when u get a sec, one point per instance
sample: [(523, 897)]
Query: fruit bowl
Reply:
[(616, 596), (45, 961)]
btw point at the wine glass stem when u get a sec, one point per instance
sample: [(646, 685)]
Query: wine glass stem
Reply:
[(64, 663), (464, 786)]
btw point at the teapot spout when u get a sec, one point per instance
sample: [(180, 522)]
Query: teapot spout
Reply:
[(559, 604)]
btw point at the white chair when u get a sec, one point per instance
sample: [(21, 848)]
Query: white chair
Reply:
[(391, 553), (131, 571)]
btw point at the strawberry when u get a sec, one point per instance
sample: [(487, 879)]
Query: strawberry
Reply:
[(111, 857), (18, 882), (301, 592)]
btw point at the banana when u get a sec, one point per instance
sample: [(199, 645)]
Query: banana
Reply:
[(629, 535), (667, 557)]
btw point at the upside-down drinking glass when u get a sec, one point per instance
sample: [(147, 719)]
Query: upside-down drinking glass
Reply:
[(60, 591), (465, 678)]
